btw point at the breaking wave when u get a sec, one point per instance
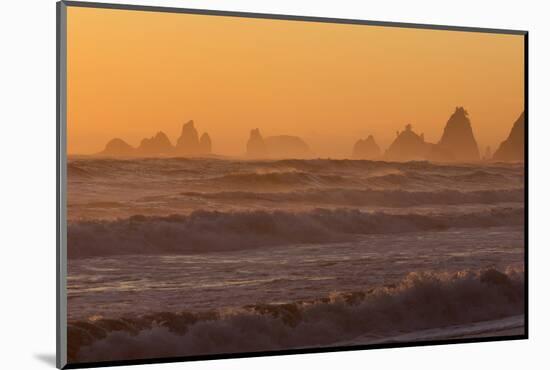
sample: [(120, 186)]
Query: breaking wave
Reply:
[(420, 301), (207, 231)]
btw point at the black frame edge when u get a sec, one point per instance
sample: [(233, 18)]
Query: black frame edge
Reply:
[(300, 351), (526, 179), (57, 190)]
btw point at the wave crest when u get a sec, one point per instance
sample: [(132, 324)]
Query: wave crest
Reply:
[(206, 231), (420, 301)]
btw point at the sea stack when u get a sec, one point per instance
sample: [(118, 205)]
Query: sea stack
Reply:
[(458, 140), (188, 142), (118, 148), (156, 145), (512, 149), (408, 146), (366, 149), (255, 147), (287, 146), (205, 144)]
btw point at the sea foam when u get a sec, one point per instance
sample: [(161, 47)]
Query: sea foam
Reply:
[(421, 301)]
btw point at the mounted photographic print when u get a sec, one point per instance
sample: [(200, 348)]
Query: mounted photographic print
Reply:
[(236, 184)]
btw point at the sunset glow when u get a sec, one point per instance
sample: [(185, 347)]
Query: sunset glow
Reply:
[(133, 73)]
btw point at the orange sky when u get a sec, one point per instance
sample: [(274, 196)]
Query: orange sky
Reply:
[(131, 74)]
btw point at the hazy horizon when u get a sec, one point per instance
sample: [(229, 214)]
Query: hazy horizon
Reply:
[(330, 84)]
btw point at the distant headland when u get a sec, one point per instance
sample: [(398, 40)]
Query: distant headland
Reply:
[(457, 144), (513, 148)]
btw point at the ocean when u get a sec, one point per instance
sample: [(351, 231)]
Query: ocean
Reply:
[(181, 257)]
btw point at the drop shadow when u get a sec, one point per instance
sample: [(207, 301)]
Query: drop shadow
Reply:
[(47, 358)]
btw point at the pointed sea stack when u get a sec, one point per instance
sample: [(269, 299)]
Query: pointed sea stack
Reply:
[(513, 148), (188, 142), (255, 147), (408, 146), (458, 138), (118, 148), (366, 149), (156, 145), (205, 144)]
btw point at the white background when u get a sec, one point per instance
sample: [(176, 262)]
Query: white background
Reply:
[(27, 167)]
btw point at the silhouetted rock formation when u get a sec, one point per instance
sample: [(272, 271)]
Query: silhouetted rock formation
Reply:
[(158, 144), (282, 146), (458, 140), (513, 148), (408, 146), (118, 148), (366, 149), (205, 144), (256, 147), (286, 146), (188, 142)]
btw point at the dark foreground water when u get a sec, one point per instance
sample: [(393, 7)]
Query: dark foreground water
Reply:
[(175, 257)]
